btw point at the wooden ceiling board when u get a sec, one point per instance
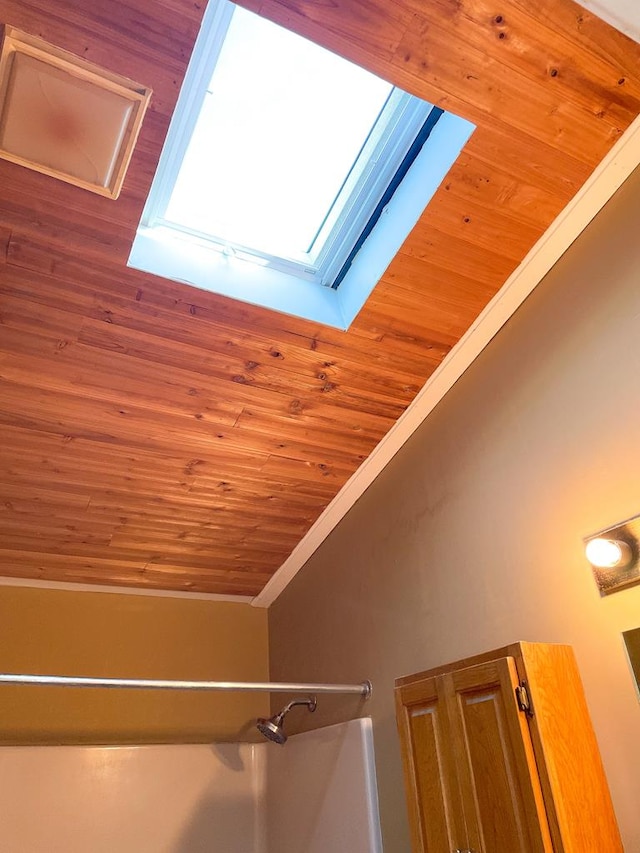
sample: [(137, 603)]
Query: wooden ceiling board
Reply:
[(160, 437)]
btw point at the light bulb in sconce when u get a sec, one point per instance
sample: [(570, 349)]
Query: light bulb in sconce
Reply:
[(608, 553), (614, 555)]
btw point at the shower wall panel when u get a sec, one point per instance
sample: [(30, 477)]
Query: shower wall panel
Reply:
[(315, 794), (321, 792), (147, 799)]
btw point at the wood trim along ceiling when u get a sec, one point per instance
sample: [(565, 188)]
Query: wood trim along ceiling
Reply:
[(621, 14), (157, 437)]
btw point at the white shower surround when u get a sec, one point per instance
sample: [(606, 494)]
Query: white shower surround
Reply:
[(315, 794)]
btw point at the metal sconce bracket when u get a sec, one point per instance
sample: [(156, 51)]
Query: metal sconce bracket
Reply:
[(619, 577)]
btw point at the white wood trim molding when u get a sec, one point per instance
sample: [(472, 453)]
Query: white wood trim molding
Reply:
[(122, 590), (607, 178), (621, 14)]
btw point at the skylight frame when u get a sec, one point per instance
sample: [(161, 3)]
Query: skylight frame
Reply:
[(213, 32), (391, 137), (398, 127), (173, 254)]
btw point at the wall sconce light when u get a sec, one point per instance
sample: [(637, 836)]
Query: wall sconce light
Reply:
[(65, 117), (614, 556)]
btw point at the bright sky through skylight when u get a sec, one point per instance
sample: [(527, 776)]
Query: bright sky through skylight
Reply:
[(281, 126)]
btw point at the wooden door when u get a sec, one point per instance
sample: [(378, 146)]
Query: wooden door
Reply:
[(470, 772), (435, 807), (500, 787)]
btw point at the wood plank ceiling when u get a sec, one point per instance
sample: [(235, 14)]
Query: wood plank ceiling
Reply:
[(156, 436)]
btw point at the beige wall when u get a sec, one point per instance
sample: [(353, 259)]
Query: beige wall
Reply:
[(82, 633), (472, 537)]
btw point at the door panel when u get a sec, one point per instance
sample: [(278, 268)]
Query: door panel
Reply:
[(498, 777), (434, 800)]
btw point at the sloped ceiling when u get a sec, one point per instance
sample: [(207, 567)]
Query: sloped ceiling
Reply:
[(163, 438)]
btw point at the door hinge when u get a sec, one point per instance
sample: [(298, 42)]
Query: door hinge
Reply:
[(522, 697)]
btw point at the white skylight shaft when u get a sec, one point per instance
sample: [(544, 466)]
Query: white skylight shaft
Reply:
[(281, 126)]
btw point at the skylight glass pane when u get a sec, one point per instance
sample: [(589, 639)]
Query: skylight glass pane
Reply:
[(282, 124)]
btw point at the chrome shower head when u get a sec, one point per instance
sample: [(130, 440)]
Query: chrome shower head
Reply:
[(273, 727), (272, 731)]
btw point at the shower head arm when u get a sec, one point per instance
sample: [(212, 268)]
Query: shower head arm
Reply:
[(311, 704), (273, 728)]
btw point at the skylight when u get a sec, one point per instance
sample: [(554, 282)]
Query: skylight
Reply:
[(286, 167), (281, 127)]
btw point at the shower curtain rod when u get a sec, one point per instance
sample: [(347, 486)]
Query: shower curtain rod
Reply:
[(362, 689)]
